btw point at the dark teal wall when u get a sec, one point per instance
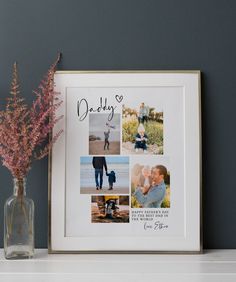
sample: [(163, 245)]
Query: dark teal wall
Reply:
[(134, 34)]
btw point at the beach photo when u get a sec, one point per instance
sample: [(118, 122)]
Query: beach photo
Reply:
[(110, 209), (150, 183), (104, 175), (142, 128), (104, 134)]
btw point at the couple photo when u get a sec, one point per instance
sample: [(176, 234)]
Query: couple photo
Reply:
[(150, 186), (104, 175)]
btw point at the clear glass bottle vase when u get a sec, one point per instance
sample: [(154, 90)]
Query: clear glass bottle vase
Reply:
[(19, 223)]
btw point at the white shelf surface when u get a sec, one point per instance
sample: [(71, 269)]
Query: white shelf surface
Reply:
[(213, 265)]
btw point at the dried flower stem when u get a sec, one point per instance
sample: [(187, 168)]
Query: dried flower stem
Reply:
[(24, 131)]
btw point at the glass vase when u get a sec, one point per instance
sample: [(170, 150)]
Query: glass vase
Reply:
[(19, 223)]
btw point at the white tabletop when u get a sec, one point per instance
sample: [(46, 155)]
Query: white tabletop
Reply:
[(213, 265)]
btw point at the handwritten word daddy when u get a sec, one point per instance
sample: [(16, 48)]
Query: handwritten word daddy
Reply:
[(83, 107)]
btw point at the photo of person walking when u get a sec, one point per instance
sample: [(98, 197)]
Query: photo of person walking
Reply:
[(111, 179), (104, 175), (98, 164)]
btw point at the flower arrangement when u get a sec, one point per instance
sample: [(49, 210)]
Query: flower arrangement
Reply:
[(24, 130)]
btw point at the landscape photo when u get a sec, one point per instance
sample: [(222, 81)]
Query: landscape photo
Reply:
[(104, 175), (110, 209)]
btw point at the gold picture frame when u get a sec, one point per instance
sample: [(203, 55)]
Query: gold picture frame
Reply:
[(52, 250)]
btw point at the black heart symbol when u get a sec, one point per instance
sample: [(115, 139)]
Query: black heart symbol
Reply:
[(119, 98)]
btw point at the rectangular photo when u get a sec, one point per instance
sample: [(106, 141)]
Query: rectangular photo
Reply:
[(104, 175), (150, 183), (110, 209), (142, 128), (104, 134)]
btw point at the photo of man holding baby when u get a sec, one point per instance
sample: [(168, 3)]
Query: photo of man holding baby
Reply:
[(150, 186)]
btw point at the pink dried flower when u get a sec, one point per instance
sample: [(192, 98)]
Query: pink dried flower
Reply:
[(23, 130)]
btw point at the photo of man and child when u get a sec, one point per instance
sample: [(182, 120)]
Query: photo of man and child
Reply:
[(142, 130), (104, 175), (150, 186), (104, 135)]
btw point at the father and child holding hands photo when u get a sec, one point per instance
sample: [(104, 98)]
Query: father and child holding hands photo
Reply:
[(98, 164)]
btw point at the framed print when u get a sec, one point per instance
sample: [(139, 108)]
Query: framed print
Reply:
[(125, 175)]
